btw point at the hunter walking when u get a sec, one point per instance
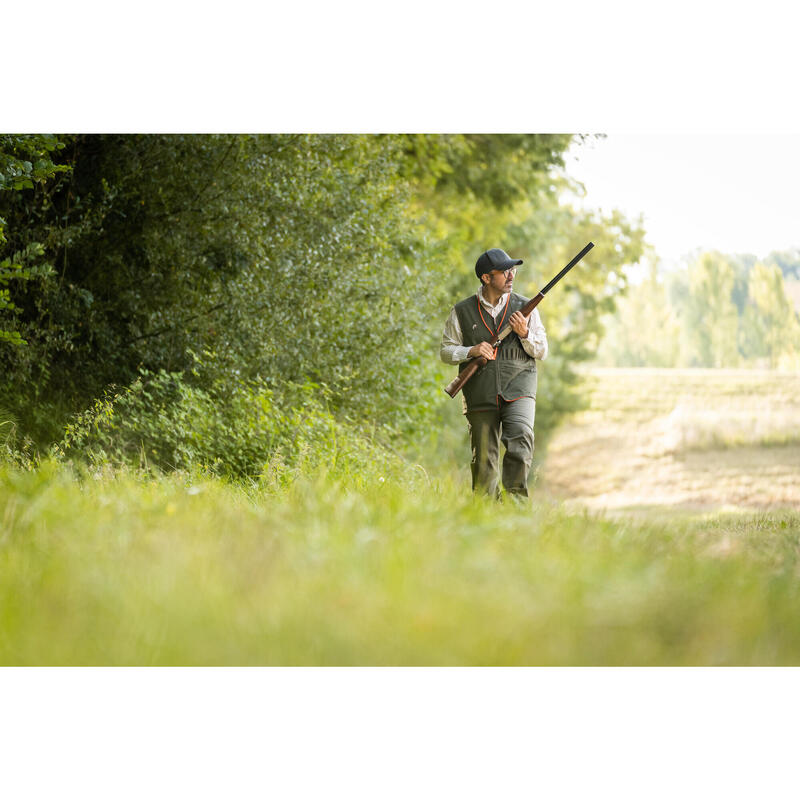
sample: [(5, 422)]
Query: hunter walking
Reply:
[(500, 399)]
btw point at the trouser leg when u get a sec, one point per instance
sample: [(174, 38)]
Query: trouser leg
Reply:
[(484, 435), (517, 436)]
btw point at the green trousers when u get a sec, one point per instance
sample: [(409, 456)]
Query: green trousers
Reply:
[(511, 423)]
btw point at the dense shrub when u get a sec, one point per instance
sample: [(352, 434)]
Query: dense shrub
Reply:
[(288, 256), (245, 431)]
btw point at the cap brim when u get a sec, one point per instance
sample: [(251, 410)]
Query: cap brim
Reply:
[(505, 265)]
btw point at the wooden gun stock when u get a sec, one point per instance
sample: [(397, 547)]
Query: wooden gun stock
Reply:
[(454, 387)]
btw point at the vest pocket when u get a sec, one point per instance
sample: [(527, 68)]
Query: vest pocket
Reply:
[(517, 378)]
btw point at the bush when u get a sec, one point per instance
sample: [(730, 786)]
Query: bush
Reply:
[(247, 430)]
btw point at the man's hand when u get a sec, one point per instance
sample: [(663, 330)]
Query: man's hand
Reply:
[(482, 349), (519, 325)]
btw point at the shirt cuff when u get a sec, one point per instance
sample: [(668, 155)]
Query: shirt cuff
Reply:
[(459, 354)]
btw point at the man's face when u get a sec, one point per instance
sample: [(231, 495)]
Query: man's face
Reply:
[(501, 280)]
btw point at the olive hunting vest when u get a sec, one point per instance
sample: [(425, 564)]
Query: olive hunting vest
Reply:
[(513, 372)]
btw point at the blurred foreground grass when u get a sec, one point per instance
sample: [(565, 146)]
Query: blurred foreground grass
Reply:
[(120, 570)]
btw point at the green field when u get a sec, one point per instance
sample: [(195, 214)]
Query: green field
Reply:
[(122, 569)]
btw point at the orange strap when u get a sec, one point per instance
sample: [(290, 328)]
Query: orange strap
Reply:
[(505, 311)]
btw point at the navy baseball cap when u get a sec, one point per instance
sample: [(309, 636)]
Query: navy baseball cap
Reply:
[(494, 259)]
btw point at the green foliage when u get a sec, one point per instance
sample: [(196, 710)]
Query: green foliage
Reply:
[(247, 431), (771, 328), (711, 317), (8, 429), (644, 331), (24, 161), (497, 170), (287, 256), (469, 189), (288, 259), (27, 159), (788, 261)]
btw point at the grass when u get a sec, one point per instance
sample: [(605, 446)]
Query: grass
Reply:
[(689, 558), (117, 569)]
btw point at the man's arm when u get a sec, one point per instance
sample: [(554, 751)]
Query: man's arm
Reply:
[(453, 350)]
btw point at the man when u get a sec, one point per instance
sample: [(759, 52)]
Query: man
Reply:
[(500, 399)]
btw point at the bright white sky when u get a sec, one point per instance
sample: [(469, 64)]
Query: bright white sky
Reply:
[(733, 193)]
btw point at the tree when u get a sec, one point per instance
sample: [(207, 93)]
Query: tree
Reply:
[(25, 161), (709, 318), (770, 327), (644, 331), (787, 260)]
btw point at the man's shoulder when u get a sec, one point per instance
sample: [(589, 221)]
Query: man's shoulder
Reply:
[(465, 302)]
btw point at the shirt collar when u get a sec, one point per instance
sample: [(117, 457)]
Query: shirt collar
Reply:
[(500, 303)]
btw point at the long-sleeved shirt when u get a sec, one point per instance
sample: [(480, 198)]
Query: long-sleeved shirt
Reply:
[(453, 351)]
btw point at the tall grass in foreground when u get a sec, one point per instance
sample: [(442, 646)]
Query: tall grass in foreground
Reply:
[(120, 570)]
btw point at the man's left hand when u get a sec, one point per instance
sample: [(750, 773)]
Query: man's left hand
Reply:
[(519, 325)]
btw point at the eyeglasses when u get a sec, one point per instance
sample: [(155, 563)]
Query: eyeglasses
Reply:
[(506, 272)]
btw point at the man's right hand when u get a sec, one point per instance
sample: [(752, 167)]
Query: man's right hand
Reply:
[(482, 349)]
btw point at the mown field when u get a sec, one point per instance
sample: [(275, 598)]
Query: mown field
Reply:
[(118, 569), (693, 439)]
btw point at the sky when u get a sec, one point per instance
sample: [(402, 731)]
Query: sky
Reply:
[(737, 193)]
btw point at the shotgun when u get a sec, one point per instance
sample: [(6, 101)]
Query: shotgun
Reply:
[(454, 387)]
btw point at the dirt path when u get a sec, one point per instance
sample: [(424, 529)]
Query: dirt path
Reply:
[(696, 439)]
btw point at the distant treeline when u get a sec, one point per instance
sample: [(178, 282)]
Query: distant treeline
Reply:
[(722, 311), (273, 266)]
